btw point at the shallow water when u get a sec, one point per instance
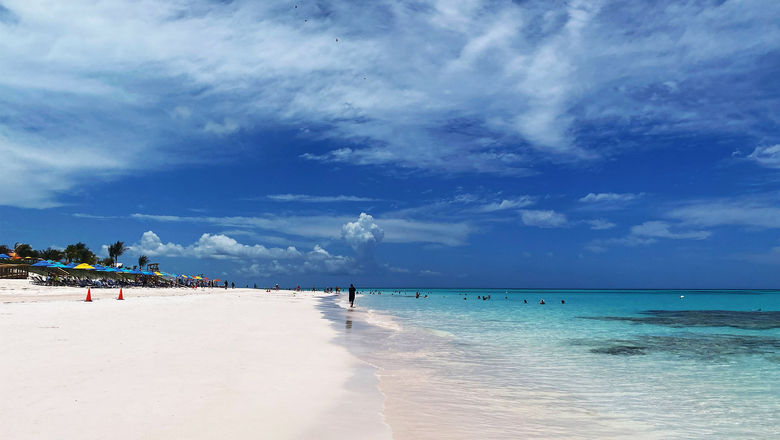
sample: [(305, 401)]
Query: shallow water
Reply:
[(606, 364)]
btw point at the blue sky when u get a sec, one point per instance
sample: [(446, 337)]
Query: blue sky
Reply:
[(406, 143)]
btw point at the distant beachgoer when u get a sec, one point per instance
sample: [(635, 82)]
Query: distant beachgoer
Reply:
[(563, 302), (525, 301), (417, 295), (542, 302), (352, 295), (232, 285), (225, 284)]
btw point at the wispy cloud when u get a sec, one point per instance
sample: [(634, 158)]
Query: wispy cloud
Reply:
[(520, 202), (760, 211), (304, 198), (659, 229), (648, 233), (543, 218), (600, 225), (495, 88), (766, 156), (396, 230), (608, 201)]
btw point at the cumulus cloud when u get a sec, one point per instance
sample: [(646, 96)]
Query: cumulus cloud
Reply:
[(208, 246), (261, 260), (543, 218), (363, 235)]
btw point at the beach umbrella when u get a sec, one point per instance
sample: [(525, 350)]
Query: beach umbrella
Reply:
[(4, 257), (183, 276), (159, 274), (43, 263), (84, 266), (58, 265), (109, 269), (198, 278)]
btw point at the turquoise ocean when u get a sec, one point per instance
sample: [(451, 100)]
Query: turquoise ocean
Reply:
[(604, 364)]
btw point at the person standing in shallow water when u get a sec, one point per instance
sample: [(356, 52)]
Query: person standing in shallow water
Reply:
[(352, 295)]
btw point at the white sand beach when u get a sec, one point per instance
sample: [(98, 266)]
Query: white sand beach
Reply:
[(173, 363)]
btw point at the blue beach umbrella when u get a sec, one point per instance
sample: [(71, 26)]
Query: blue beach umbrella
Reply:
[(4, 257), (43, 263), (58, 265)]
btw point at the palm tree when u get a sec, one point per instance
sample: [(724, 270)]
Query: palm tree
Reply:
[(25, 250), (116, 250), (142, 260), (51, 254)]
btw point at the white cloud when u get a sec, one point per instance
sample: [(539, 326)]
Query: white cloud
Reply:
[(221, 128), (767, 156), (609, 197), (152, 245), (648, 233), (317, 199), (600, 225), (520, 202), (396, 230), (543, 218), (761, 211), (477, 87), (363, 235), (659, 229), (261, 259)]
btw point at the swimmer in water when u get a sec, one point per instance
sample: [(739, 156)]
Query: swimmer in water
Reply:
[(542, 302)]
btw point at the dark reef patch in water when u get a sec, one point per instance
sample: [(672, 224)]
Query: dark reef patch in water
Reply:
[(701, 318), (689, 345)]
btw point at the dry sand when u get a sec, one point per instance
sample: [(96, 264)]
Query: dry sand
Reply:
[(167, 363)]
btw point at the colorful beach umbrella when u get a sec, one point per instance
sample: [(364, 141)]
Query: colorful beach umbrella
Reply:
[(5, 257), (43, 263), (84, 266)]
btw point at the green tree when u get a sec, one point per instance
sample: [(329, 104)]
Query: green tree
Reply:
[(25, 250), (142, 260), (80, 253), (5, 249), (107, 261), (116, 250), (51, 254)]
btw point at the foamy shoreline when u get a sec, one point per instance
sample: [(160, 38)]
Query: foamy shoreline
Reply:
[(175, 363)]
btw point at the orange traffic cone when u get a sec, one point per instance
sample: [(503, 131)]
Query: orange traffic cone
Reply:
[(120, 297), (89, 296)]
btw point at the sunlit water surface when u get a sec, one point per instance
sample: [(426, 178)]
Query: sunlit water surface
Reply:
[(606, 364)]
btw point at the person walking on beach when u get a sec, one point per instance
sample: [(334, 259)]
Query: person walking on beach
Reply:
[(352, 295)]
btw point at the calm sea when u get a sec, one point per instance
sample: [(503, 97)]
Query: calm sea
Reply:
[(606, 364)]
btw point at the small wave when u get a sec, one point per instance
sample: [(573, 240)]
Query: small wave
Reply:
[(384, 321)]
